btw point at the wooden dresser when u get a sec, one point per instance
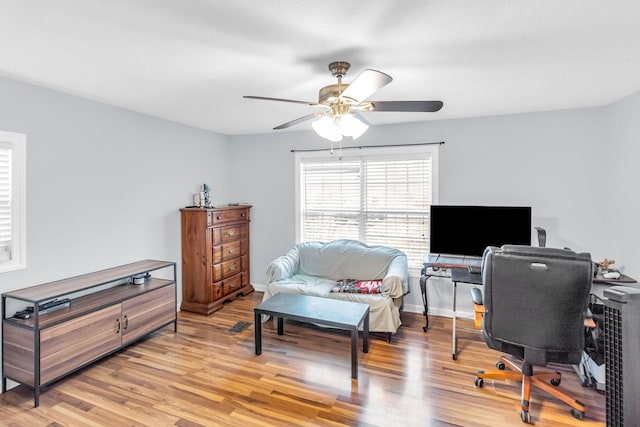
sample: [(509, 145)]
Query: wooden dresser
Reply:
[(215, 256)]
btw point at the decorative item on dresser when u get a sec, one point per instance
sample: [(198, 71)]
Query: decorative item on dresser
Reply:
[(215, 256)]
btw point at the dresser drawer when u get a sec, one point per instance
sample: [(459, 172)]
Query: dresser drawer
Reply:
[(231, 284), (230, 233), (227, 251), (216, 291), (229, 215), (227, 269)]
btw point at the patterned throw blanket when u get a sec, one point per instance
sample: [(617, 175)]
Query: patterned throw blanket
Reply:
[(358, 286)]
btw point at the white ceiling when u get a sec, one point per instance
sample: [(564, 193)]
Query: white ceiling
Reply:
[(192, 61)]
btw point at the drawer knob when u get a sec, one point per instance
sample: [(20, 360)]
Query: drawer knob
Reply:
[(232, 268), (231, 233), (242, 214), (232, 250)]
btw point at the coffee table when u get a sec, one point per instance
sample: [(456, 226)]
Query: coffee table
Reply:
[(325, 311)]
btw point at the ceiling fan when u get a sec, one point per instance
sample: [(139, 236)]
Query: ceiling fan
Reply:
[(341, 104)]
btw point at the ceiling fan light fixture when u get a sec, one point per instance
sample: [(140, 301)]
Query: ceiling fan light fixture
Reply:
[(353, 126), (327, 129), (334, 127)]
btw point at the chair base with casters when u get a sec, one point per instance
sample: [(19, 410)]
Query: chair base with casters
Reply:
[(546, 381)]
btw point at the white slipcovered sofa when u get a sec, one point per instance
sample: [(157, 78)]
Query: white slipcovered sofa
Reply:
[(313, 268)]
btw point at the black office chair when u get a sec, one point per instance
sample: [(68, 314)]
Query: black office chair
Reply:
[(535, 300)]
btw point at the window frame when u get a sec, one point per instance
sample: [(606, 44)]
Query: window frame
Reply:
[(18, 145), (388, 152)]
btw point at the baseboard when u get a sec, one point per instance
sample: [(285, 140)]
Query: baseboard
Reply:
[(465, 315)]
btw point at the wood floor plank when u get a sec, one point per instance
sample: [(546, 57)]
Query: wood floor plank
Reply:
[(206, 376)]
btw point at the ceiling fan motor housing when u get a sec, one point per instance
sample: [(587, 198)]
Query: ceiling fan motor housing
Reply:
[(330, 93), (339, 68)]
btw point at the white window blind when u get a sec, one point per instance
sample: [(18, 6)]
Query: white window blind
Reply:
[(6, 154), (12, 201), (377, 197)]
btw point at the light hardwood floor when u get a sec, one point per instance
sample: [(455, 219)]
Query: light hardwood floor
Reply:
[(206, 376)]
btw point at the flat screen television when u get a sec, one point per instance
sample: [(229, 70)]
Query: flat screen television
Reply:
[(468, 230)]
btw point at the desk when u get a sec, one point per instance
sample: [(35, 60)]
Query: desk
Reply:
[(437, 266), (463, 275), (456, 269), (460, 275), (591, 369), (623, 280)]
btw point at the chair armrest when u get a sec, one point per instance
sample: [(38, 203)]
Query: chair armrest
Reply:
[(476, 296), (396, 282), (478, 307), (284, 266)]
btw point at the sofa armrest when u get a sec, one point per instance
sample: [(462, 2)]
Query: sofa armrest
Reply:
[(284, 267), (396, 282)]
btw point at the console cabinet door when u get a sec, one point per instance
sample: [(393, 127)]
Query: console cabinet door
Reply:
[(143, 314), (17, 353), (74, 343)]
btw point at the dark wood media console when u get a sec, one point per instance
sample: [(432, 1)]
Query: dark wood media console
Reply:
[(106, 312)]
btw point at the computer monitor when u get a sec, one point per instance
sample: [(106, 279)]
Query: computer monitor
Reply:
[(468, 230)]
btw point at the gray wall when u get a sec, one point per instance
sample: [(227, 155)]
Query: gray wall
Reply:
[(104, 184), (619, 158), (551, 161)]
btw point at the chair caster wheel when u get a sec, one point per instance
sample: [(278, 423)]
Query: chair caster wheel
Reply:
[(525, 417), (500, 365), (479, 382), (578, 415), (555, 382)]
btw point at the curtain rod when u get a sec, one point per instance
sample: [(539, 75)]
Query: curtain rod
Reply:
[(370, 146)]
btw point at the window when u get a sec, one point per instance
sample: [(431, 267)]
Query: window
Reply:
[(380, 196), (12, 201)]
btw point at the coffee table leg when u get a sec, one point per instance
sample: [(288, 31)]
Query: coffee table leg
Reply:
[(280, 325), (354, 353), (257, 327), (365, 334)]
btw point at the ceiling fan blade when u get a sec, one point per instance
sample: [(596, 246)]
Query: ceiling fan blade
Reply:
[(366, 84), (298, 120), (361, 118), (407, 106), (264, 98)]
